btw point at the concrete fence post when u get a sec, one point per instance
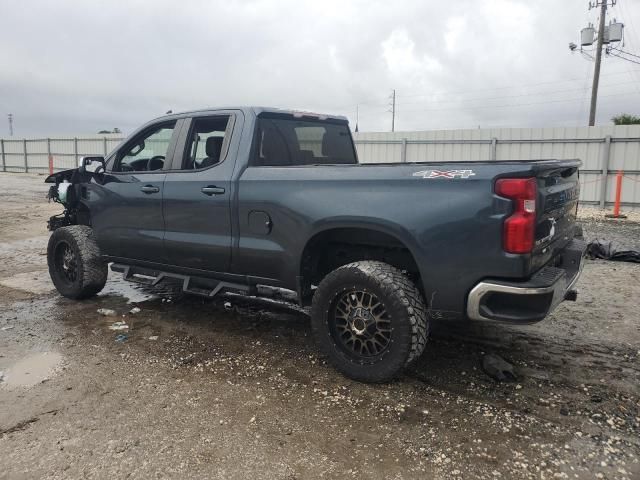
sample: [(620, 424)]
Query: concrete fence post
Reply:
[(494, 149), (104, 145), (4, 161), (606, 153), (75, 150), (24, 149), (403, 156)]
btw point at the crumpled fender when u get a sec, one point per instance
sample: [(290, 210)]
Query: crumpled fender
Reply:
[(58, 177)]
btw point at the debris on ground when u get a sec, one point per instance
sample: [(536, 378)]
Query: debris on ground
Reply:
[(107, 312), (498, 368), (153, 337), (8, 327), (119, 326), (609, 250), (135, 310), (122, 338)]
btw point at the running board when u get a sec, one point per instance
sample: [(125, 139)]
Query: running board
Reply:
[(206, 288)]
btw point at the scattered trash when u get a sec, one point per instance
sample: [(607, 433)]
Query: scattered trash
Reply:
[(8, 327), (107, 312), (153, 337), (498, 368), (122, 338), (607, 250), (119, 326), (253, 419), (135, 310)]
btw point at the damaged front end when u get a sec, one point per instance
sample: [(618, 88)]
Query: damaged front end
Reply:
[(68, 189)]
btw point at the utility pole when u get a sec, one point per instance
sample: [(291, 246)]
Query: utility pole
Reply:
[(393, 111), (11, 124), (357, 115), (596, 70)]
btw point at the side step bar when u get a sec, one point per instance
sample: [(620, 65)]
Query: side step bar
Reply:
[(195, 285)]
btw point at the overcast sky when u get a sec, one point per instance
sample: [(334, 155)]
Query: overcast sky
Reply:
[(77, 67)]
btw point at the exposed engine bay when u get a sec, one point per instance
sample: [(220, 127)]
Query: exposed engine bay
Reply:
[(69, 188)]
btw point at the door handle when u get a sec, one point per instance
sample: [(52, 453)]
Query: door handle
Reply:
[(149, 189), (212, 190)]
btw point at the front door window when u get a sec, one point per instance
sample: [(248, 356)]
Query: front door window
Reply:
[(147, 152)]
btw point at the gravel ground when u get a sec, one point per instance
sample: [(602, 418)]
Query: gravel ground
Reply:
[(235, 389)]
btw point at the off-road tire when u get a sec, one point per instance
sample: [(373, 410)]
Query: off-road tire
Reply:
[(407, 313), (91, 270)]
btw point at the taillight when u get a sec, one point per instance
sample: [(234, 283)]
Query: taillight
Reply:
[(520, 226)]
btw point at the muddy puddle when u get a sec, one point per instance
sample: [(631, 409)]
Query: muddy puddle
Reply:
[(31, 370)]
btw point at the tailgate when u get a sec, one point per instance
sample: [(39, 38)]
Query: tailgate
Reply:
[(558, 192)]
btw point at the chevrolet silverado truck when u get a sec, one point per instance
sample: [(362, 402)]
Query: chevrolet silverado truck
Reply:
[(255, 200)]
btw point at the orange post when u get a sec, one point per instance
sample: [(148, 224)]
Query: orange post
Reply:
[(50, 164), (616, 205)]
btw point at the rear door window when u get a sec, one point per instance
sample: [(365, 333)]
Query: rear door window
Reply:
[(282, 142), (207, 144)]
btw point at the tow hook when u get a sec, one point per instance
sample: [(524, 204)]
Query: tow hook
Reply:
[(571, 295)]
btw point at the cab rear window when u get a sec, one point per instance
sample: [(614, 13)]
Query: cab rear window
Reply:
[(282, 142)]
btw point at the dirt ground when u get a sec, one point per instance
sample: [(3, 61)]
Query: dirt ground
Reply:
[(235, 389)]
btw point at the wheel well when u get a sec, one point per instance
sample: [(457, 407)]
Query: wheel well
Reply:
[(83, 215), (333, 248)]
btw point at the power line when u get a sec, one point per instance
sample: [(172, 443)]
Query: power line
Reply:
[(627, 59), (504, 87), (514, 105), (516, 96), (629, 53), (636, 43)]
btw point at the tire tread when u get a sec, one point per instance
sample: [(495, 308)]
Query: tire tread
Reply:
[(398, 288), (93, 269)]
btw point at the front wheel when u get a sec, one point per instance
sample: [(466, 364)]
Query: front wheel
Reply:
[(370, 320), (75, 266)]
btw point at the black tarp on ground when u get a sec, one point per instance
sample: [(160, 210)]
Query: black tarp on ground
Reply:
[(607, 250)]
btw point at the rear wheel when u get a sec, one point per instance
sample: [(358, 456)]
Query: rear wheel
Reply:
[(370, 320), (75, 266)]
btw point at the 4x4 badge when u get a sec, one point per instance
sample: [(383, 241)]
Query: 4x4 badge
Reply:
[(444, 173)]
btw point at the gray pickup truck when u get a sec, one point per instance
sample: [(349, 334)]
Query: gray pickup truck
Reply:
[(256, 200)]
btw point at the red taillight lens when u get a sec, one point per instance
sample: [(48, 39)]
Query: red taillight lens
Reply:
[(520, 226)]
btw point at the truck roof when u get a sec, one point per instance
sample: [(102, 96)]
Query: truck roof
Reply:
[(257, 110)]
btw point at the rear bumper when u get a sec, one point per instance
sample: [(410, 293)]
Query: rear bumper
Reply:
[(533, 300)]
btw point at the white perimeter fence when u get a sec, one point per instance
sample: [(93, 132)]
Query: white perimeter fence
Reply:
[(603, 151)]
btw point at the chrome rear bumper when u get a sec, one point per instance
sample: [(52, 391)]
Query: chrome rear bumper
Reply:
[(533, 300)]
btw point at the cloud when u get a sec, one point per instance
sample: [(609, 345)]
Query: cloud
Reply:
[(77, 67)]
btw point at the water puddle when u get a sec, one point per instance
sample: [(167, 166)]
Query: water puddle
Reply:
[(32, 370), (133, 292)]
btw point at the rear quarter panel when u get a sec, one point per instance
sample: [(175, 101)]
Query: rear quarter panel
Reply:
[(452, 226)]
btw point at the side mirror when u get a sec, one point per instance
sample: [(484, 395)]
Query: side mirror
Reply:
[(92, 164)]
